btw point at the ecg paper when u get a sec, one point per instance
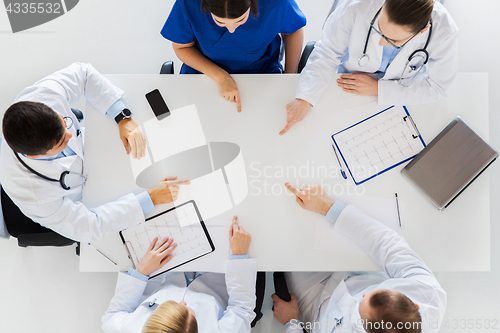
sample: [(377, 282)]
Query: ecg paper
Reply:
[(378, 143), (182, 224)]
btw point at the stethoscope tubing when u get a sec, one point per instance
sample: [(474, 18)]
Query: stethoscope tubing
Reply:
[(364, 58), (60, 180)]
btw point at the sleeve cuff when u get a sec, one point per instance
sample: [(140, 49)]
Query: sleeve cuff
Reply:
[(145, 202), (334, 212), (115, 109), (308, 99), (241, 256), (133, 273)]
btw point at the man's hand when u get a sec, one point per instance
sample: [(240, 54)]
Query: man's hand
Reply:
[(157, 256), (229, 90), (285, 311), (359, 84), (239, 240), (166, 190), (312, 197), (131, 135), (296, 111)]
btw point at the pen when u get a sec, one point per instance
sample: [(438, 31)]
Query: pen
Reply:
[(337, 156), (105, 256), (397, 206)]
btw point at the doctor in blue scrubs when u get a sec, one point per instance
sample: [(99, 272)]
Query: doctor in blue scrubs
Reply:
[(223, 37)]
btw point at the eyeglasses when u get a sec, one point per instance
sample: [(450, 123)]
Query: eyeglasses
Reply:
[(68, 122), (387, 39)]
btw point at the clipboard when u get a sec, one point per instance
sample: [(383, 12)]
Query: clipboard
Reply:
[(378, 143), (182, 223)]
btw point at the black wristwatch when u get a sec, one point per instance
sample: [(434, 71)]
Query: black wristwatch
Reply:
[(125, 114)]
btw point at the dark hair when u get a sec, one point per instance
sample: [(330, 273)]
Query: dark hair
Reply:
[(230, 9), (393, 312), (31, 128), (414, 14)]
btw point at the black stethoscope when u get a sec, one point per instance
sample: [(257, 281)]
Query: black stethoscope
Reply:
[(61, 179), (416, 61)]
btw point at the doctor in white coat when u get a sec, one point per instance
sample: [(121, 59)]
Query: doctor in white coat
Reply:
[(403, 51), (43, 110), (406, 297), (181, 303)]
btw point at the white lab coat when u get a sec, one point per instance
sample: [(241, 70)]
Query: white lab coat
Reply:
[(47, 202), (218, 306), (345, 31), (405, 272)]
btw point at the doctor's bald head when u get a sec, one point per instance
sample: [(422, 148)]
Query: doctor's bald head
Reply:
[(414, 14), (387, 311), (32, 128)]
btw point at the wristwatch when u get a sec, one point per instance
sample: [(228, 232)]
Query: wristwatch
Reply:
[(125, 114)]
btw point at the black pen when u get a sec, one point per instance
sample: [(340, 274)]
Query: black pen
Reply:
[(340, 164), (397, 206)]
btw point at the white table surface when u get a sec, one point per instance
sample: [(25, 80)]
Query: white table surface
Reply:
[(457, 239)]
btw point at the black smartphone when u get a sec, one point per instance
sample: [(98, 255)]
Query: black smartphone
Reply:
[(158, 104)]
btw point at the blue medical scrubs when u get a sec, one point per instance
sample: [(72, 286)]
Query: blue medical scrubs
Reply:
[(254, 47)]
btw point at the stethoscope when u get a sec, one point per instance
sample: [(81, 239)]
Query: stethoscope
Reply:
[(61, 179), (420, 53)]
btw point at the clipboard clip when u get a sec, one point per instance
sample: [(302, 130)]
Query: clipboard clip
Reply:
[(410, 121), (130, 248)]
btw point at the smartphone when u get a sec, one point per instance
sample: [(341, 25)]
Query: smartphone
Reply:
[(158, 104)]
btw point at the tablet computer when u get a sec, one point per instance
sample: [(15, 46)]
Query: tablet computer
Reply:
[(450, 163)]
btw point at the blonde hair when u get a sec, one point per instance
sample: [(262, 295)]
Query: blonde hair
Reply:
[(171, 317)]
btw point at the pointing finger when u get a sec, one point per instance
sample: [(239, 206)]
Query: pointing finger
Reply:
[(287, 127), (181, 182), (238, 101), (294, 190), (231, 228)]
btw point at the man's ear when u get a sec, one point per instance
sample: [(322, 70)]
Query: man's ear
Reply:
[(418, 307)]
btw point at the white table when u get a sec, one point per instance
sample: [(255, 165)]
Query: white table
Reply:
[(282, 233)]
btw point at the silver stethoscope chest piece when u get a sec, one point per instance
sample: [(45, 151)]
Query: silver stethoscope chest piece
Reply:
[(363, 60)]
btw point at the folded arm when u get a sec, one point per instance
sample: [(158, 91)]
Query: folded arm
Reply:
[(430, 86)]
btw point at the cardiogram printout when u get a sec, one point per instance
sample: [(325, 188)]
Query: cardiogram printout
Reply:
[(378, 143), (183, 223)]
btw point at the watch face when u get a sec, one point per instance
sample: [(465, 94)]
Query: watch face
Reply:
[(127, 113)]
